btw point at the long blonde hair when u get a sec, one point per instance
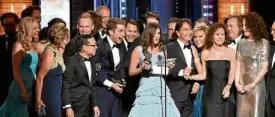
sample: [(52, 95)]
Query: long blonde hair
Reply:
[(23, 30)]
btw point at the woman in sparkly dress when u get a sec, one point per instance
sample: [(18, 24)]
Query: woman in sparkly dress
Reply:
[(251, 67)]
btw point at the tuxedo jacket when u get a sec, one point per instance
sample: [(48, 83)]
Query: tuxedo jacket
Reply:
[(100, 34), (179, 87), (77, 90), (271, 75), (104, 57), (70, 49), (6, 65)]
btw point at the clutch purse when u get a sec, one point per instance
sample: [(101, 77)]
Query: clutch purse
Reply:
[(41, 112)]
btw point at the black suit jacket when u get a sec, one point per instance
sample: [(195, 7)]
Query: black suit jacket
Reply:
[(77, 90), (104, 57), (6, 65), (271, 75), (70, 49), (179, 87)]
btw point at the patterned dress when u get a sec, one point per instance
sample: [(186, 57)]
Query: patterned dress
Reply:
[(251, 55), (150, 99)]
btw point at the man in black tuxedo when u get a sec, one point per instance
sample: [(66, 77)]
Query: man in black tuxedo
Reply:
[(79, 90), (170, 29), (271, 76), (110, 55), (85, 26), (235, 30), (104, 13), (9, 22), (179, 86), (131, 32)]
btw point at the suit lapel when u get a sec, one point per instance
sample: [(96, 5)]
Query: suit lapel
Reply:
[(180, 53), (120, 55), (83, 66), (109, 52), (271, 54)]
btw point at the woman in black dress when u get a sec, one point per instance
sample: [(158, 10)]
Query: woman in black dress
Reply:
[(218, 63)]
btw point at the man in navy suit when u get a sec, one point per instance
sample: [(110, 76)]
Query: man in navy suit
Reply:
[(110, 77)]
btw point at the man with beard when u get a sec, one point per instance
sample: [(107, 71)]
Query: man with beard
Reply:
[(9, 22)]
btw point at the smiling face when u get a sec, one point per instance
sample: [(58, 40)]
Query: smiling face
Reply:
[(199, 38), (233, 29), (131, 32), (185, 33), (219, 37)]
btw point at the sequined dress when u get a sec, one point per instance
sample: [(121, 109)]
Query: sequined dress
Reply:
[(251, 55)]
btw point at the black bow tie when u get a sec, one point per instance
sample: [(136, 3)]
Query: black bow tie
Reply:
[(233, 41), (86, 59), (115, 46), (187, 46)]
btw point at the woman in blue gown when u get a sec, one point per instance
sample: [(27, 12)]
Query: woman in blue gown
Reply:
[(51, 67), (150, 100), (199, 39), (24, 61)]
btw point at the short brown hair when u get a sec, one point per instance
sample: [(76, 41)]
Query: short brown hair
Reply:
[(152, 15), (112, 24), (239, 20), (57, 34), (131, 21), (173, 20), (179, 25), (148, 34), (256, 25), (210, 34)]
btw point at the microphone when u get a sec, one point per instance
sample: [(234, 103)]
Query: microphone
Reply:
[(163, 48)]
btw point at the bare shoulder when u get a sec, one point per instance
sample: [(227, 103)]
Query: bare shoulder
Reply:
[(231, 50), (205, 54)]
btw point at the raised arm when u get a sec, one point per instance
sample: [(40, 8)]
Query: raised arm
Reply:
[(202, 75)]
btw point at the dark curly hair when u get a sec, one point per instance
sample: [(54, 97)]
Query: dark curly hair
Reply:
[(210, 35), (148, 34), (256, 25)]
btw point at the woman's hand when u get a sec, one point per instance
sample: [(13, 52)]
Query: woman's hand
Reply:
[(39, 104), (145, 65), (240, 88), (25, 96), (248, 88), (226, 91), (171, 65)]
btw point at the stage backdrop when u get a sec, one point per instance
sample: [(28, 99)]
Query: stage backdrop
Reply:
[(55, 9)]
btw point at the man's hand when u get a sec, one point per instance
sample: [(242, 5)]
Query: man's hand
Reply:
[(69, 112), (117, 87), (96, 111)]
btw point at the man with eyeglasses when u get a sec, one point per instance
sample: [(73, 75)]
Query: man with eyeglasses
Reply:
[(79, 90), (271, 75)]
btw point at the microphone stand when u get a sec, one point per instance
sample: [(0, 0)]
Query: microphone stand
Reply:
[(164, 77)]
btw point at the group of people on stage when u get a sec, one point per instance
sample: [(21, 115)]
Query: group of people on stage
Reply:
[(110, 67)]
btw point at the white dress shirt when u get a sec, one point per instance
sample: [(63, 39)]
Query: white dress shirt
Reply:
[(273, 60), (125, 43), (116, 58), (234, 45), (187, 54)]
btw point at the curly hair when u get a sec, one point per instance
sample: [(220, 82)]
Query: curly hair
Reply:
[(211, 32), (57, 34), (256, 25), (147, 37), (24, 30)]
